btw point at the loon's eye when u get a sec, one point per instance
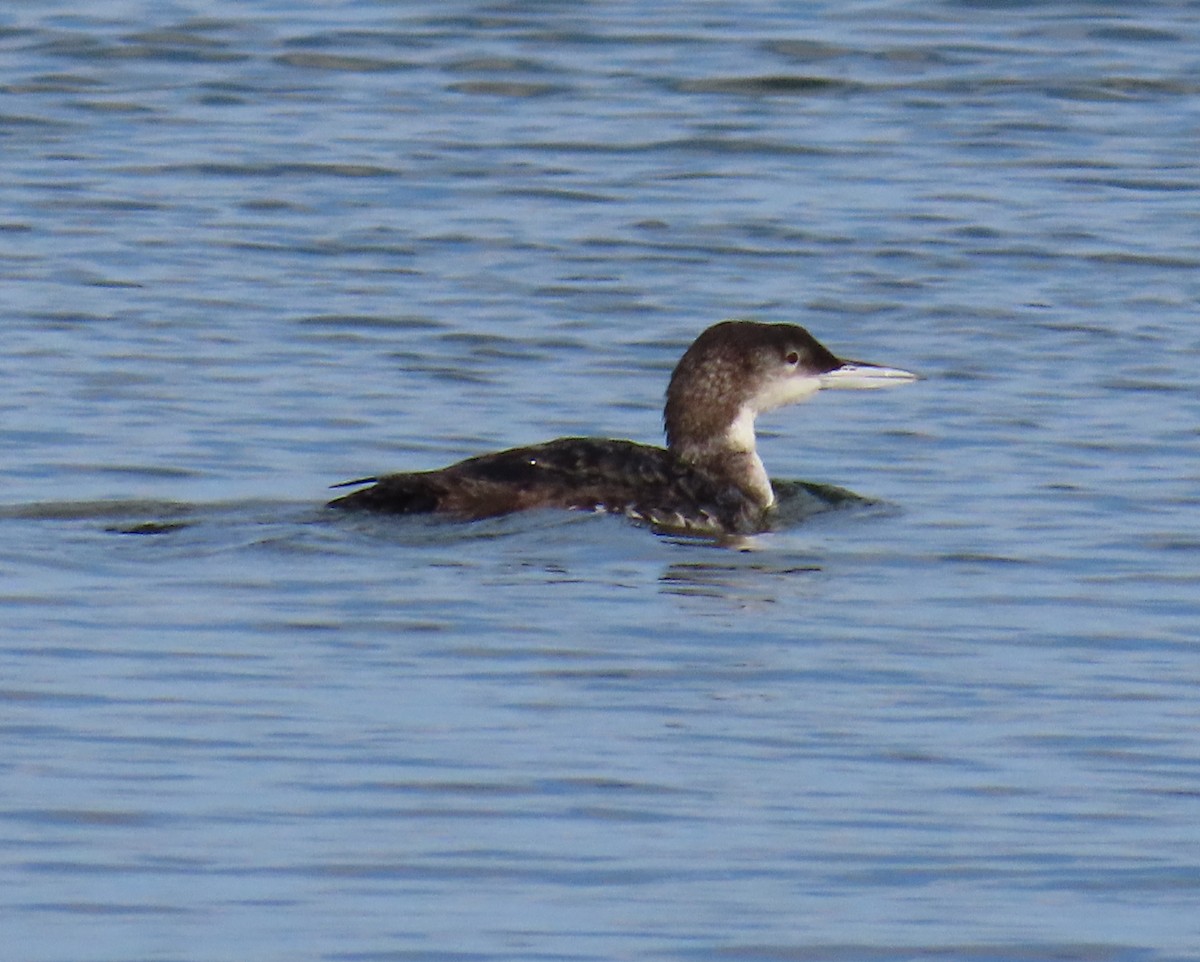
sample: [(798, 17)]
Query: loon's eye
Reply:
[(792, 358)]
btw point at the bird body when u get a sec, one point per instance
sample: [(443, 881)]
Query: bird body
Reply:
[(709, 479)]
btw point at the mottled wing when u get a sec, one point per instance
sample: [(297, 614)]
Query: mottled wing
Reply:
[(644, 482)]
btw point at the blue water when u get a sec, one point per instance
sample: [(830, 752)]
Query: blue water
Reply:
[(248, 250)]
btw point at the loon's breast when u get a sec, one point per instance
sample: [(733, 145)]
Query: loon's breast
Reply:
[(641, 481)]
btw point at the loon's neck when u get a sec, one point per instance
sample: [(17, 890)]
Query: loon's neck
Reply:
[(729, 454)]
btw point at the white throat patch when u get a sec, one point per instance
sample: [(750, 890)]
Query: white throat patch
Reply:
[(785, 390), (740, 434)]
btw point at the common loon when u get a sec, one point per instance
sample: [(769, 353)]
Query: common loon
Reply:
[(707, 480)]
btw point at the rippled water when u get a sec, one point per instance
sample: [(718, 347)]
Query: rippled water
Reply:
[(250, 250)]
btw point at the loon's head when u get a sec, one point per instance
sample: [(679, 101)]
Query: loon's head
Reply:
[(735, 371)]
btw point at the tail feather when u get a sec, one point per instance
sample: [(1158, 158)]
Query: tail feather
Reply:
[(400, 494)]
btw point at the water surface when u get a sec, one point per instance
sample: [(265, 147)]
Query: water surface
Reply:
[(250, 250)]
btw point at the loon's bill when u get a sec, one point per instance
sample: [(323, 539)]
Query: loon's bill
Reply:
[(859, 374), (709, 478)]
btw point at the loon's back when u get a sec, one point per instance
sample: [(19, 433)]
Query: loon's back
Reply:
[(641, 481)]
